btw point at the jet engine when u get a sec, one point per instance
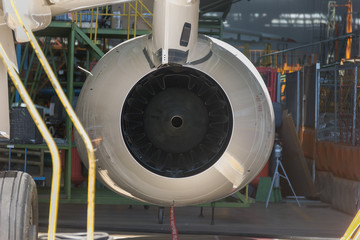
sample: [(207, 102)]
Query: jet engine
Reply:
[(176, 122)]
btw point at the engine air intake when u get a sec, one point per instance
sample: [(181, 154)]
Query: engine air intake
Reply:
[(176, 121)]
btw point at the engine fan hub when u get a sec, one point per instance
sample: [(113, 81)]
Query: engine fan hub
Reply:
[(176, 120)]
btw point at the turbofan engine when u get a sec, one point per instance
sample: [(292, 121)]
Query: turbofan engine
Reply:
[(181, 119)]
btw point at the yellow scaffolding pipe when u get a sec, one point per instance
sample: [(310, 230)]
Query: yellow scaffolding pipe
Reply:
[(140, 14), (96, 24), (91, 23), (135, 18), (129, 14), (144, 6), (78, 126)]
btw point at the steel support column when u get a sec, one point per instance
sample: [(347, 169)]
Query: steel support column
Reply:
[(354, 108), (336, 112), (70, 93), (317, 98), (298, 103)]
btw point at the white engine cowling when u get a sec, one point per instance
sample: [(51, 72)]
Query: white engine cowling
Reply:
[(195, 130)]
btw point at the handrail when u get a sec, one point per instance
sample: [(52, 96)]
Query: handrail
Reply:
[(140, 13), (135, 19), (353, 229), (146, 8), (55, 184), (128, 27), (128, 8), (96, 24), (77, 124)]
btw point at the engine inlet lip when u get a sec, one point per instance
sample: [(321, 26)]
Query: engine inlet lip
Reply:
[(180, 141)]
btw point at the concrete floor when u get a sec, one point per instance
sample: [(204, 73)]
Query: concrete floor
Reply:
[(314, 220)]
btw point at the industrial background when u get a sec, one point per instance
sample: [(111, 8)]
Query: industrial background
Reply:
[(308, 54)]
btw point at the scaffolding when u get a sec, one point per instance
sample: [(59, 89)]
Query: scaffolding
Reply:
[(338, 106), (331, 30), (136, 16), (286, 62), (335, 50)]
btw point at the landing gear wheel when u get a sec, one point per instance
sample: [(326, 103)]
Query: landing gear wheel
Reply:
[(19, 206)]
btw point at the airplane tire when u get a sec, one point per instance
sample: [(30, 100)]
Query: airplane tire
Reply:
[(18, 206)]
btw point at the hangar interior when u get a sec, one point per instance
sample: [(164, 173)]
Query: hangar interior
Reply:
[(296, 130)]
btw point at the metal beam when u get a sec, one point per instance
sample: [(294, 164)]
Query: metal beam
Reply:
[(309, 45), (87, 40)]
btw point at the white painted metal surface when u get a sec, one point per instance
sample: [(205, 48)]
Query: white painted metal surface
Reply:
[(6, 40), (36, 15), (167, 34), (103, 96), (100, 107), (4, 104)]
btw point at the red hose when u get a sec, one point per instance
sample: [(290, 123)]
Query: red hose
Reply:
[(174, 231)]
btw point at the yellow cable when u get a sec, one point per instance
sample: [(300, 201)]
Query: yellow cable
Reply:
[(55, 184), (74, 119)]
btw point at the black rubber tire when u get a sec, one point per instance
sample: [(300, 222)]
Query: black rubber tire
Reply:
[(18, 206)]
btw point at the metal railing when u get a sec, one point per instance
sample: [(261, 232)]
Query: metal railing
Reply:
[(338, 107), (132, 12), (284, 63), (54, 198)]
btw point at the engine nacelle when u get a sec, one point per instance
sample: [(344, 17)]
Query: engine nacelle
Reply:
[(195, 130)]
